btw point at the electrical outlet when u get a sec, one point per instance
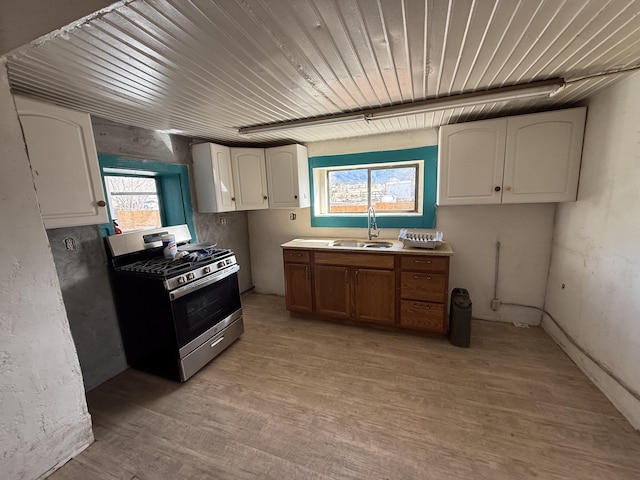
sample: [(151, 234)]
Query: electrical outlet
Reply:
[(223, 220), (70, 243), (495, 304), (292, 216)]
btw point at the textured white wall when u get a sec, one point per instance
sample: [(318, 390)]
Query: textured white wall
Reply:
[(525, 233), (596, 252), (43, 412)]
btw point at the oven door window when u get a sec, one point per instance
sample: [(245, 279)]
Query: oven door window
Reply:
[(202, 309)]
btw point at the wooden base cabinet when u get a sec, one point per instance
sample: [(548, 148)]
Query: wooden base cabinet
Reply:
[(333, 291), (374, 294), (355, 286), (426, 316), (424, 289), (395, 290), (298, 286)]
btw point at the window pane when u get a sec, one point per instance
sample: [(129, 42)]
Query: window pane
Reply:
[(348, 191), (394, 189), (133, 202)]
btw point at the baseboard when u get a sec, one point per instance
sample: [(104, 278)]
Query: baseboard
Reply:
[(621, 398), (29, 461)]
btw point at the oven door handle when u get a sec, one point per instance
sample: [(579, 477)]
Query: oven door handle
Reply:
[(203, 282)]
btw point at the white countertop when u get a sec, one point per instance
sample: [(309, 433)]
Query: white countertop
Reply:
[(397, 248)]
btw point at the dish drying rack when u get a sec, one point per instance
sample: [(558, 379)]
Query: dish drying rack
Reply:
[(420, 240)]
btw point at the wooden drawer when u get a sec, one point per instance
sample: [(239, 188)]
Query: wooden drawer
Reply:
[(429, 317), (369, 260), (296, 256), (424, 263), (431, 287)]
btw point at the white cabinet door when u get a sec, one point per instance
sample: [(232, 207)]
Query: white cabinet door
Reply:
[(543, 156), (249, 178), (471, 162), (64, 164), (288, 176), (213, 178)]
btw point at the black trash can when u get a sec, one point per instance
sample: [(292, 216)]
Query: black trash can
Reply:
[(460, 318)]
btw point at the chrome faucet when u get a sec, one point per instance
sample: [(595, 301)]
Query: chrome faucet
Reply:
[(371, 224)]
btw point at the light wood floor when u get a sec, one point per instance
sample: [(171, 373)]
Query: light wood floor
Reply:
[(303, 399)]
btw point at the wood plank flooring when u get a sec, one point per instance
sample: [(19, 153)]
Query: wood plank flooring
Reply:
[(304, 399)]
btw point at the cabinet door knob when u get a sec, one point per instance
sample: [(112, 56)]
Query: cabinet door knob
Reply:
[(295, 196), (233, 199), (497, 189), (101, 203), (264, 197)]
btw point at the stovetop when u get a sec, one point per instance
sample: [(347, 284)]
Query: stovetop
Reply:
[(184, 262), (139, 254)]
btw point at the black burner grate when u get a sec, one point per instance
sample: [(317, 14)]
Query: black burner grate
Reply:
[(169, 267)]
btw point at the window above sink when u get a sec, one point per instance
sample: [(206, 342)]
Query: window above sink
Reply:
[(399, 184)]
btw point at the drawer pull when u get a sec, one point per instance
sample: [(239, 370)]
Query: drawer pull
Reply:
[(306, 270), (420, 305), (428, 262), (295, 254), (217, 342), (417, 277)]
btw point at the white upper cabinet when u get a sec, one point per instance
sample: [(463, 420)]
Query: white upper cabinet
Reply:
[(64, 164), (213, 178), (521, 159), (471, 162), (288, 176), (228, 179), (249, 178), (543, 152)]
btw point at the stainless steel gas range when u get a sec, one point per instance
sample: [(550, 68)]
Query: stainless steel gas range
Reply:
[(175, 315)]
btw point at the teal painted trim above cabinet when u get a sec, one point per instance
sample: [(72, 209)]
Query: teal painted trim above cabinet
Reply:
[(173, 185), (428, 154)]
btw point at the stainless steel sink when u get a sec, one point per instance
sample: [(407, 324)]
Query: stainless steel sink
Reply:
[(360, 244), (379, 245)]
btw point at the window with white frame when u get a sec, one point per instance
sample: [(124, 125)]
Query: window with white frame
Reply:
[(133, 201), (391, 188)]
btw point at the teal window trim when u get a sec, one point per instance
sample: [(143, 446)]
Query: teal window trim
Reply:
[(173, 188), (430, 174)]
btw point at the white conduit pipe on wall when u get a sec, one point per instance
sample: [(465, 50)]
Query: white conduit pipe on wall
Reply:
[(571, 340), (495, 285)]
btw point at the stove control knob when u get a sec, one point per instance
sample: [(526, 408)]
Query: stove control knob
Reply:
[(206, 270), (191, 276), (220, 264), (228, 261), (181, 279)]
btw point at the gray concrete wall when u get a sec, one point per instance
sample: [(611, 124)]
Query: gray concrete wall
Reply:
[(83, 272)]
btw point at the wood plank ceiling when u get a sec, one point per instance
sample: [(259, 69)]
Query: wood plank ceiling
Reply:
[(204, 68)]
